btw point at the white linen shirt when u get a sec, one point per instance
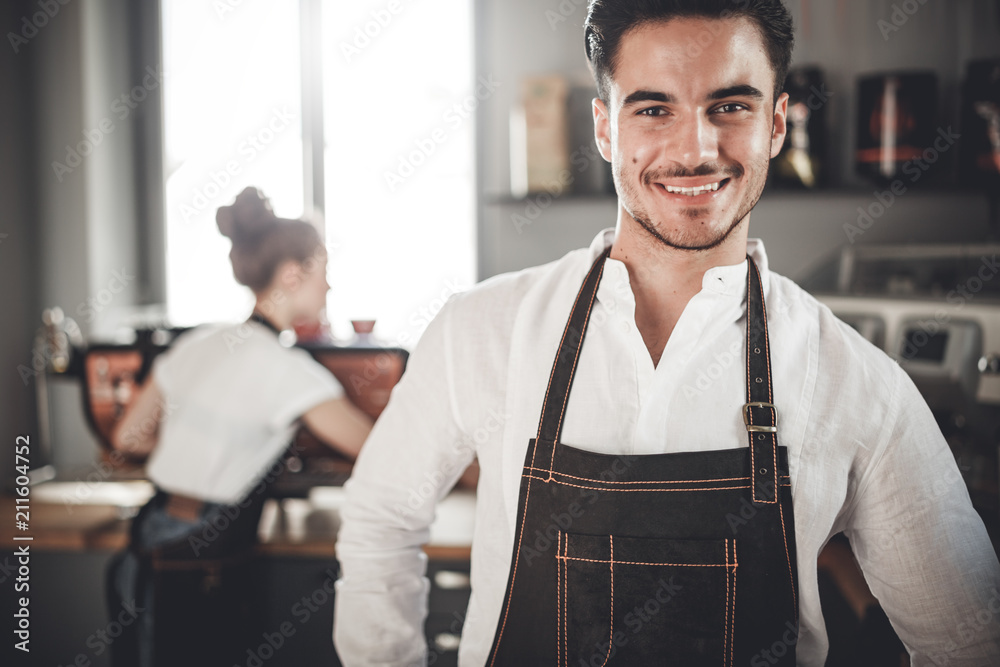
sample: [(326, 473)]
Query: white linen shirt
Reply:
[(865, 454), (232, 396)]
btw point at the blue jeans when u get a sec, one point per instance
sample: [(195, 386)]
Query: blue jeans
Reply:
[(130, 579)]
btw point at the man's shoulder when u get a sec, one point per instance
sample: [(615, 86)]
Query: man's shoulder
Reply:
[(858, 361), (502, 295)]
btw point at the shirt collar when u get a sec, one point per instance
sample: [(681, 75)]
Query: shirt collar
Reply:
[(729, 280)]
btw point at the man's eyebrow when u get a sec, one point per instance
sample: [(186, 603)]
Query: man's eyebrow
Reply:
[(741, 90), (647, 96)]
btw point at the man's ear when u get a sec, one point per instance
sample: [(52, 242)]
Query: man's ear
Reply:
[(602, 128), (780, 128)]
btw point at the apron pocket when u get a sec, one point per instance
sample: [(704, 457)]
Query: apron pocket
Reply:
[(644, 601)]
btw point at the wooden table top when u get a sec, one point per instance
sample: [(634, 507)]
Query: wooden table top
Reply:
[(64, 516)]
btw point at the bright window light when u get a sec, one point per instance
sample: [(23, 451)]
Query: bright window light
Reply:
[(232, 118), (400, 184), (399, 144)]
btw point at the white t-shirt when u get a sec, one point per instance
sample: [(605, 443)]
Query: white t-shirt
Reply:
[(232, 394)]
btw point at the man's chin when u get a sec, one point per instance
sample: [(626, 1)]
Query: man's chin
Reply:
[(700, 233)]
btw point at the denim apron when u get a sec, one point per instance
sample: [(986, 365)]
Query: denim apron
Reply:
[(680, 559)]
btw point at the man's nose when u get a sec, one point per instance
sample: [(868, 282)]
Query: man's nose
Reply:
[(695, 141)]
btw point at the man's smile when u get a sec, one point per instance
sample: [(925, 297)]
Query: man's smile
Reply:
[(692, 191)]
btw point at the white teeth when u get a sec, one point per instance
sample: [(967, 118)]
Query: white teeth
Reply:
[(692, 192)]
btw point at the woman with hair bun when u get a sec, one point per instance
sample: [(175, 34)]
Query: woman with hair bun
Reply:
[(220, 408)]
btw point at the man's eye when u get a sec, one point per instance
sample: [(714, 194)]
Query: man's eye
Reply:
[(731, 107), (654, 111)]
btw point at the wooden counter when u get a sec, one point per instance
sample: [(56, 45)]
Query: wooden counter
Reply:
[(79, 516)]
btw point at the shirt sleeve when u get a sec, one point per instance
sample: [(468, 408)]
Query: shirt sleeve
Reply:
[(302, 384), (413, 457), (922, 547)]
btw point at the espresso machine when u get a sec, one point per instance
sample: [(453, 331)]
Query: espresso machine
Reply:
[(109, 375), (935, 309)]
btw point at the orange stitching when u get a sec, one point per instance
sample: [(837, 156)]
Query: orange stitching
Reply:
[(667, 481), (558, 595), (558, 592), (565, 603), (513, 576), (576, 358), (611, 620), (788, 559), (725, 638), (630, 562), (732, 628), (770, 381), (578, 486)]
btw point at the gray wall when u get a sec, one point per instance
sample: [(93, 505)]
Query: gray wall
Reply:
[(522, 37), (70, 230), (19, 256)]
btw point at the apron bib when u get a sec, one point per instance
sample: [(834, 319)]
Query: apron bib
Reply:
[(681, 559)]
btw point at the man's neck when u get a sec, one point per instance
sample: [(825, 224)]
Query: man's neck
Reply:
[(664, 279)]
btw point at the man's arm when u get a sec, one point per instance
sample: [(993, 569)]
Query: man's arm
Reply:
[(922, 547), (414, 455)]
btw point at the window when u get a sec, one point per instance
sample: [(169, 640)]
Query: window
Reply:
[(397, 149)]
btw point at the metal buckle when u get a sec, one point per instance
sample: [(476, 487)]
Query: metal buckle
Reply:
[(754, 428)]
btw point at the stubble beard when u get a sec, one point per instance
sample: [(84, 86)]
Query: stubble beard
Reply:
[(686, 240)]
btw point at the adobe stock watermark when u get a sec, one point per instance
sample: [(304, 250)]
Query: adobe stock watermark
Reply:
[(425, 314), (432, 655), (122, 107), (915, 169), (254, 144), (102, 638), (770, 655), (217, 522), (30, 25), (365, 34), (454, 464), (131, 441), (269, 305), (972, 626), (963, 293), (533, 546), (582, 158), (224, 7), (453, 117), (901, 13), (302, 611), (41, 356), (640, 616), (95, 305), (563, 11)]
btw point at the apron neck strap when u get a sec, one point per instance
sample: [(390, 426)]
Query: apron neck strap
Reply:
[(758, 413), (260, 319), (564, 367)]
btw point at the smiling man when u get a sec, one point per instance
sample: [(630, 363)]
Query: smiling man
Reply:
[(628, 510)]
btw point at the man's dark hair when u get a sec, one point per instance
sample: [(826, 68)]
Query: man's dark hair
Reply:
[(609, 20)]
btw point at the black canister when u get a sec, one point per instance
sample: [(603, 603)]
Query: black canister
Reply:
[(897, 126), (980, 155), (802, 162)]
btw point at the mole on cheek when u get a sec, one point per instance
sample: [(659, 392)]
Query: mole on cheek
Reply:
[(634, 160)]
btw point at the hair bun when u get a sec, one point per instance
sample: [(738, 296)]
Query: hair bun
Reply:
[(248, 218)]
